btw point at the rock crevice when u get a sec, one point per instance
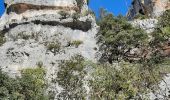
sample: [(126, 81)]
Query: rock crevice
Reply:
[(75, 25)]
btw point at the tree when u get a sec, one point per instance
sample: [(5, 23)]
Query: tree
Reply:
[(117, 37)]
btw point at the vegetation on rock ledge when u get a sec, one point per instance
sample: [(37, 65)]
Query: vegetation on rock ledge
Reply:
[(31, 85)]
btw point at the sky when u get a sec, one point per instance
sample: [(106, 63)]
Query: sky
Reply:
[(115, 6), (1, 7)]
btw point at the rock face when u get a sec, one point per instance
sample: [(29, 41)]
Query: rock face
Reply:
[(44, 2), (147, 24), (150, 8), (45, 31)]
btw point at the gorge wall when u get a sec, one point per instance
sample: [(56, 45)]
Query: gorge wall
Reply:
[(46, 32), (150, 8)]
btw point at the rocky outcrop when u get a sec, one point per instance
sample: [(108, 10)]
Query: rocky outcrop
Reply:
[(40, 31), (23, 7), (149, 8), (147, 24)]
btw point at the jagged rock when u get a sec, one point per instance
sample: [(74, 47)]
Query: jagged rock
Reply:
[(150, 8)]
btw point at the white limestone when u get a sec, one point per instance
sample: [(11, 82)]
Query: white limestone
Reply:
[(146, 24), (18, 53), (44, 2)]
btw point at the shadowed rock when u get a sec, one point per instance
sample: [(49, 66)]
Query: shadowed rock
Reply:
[(22, 7), (75, 25)]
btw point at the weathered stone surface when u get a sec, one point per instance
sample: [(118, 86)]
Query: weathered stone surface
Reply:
[(150, 8), (29, 26), (146, 24), (44, 2), (23, 7)]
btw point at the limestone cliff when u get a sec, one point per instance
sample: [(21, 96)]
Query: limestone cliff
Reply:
[(45, 31), (150, 8)]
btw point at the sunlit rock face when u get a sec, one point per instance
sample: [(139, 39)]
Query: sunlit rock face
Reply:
[(45, 31), (44, 2), (147, 24), (150, 8)]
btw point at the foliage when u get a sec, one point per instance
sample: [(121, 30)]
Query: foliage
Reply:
[(75, 16), (31, 85), (9, 87), (76, 43), (162, 31), (70, 77), (54, 47), (123, 81), (80, 3), (64, 14), (88, 12), (164, 20), (117, 37), (2, 39), (141, 16), (23, 35), (88, 1)]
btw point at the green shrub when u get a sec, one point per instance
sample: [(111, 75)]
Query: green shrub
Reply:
[(75, 16), (34, 83), (117, 37), (80, 3), (76, 43), (88, 12), (54, 47), (2, 39), (162, 31), (164, 19), (123, 81), (63, 14), (70, 76), (88, 1), (141, 17), (31, 85), (24, 36)]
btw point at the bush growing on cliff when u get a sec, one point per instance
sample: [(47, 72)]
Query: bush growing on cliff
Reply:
[(162, 31), (80, 3), (124, 81), (141, 16), (2, 38), (54, 47), (164, 19), (117, 37), (31, 85), (76, 43), (70, 77)]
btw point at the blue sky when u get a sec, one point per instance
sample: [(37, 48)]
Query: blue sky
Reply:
[(114, 6), (1, 7)]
